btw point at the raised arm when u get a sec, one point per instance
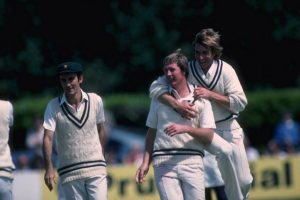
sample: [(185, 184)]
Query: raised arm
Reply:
[(159, 90), (202, 92), (158, 87), (232, 97), (235, 92)]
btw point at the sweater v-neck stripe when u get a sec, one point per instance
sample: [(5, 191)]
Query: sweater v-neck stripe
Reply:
[(200, 80), (85, 115)]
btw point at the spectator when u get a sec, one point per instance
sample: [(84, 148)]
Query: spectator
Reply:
[(111, 156), (22, 162), (34, 143), (135, 155), (252, 152), (286, 136)]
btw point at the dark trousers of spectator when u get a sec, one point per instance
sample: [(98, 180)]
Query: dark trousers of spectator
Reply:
[(219, 191)]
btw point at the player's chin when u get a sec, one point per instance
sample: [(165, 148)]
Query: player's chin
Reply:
[(70, 91)]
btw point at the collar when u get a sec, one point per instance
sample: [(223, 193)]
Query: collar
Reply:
[(64, 99), (174, 92), (211, 70)]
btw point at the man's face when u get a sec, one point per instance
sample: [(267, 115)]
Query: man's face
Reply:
[(173, 74), (204, 56), (70, 83)]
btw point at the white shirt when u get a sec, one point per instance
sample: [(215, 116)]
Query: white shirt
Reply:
[(166, 148), (220, 78), (205, 119), (49, 119)]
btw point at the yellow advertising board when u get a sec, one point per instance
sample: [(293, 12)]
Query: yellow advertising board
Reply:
[(274, 179), (121, 185)]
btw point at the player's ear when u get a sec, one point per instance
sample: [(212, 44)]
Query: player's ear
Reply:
[(80, 78)]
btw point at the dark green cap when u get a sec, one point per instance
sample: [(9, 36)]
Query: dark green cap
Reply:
[(69, 67)]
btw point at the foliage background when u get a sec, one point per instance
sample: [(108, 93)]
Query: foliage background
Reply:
[(122, 43)]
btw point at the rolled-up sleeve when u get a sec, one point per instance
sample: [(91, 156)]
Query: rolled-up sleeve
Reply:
[(235, 92)]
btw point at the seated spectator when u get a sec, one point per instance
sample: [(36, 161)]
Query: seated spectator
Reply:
[(22, 162), (286, 136), (135, 155), (111, 157), (34, 142), (251, 151)]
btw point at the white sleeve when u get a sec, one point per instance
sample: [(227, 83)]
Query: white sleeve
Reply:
[(152, 115), (49, 118), (100, 112), (234, 90), (158, 87)]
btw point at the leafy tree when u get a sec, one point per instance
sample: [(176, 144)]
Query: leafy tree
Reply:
[(127, 40)]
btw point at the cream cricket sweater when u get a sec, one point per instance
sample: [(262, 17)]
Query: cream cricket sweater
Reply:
[(6, 120), (79, 149)]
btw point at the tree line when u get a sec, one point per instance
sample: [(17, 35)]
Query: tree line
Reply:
[(122, 43)]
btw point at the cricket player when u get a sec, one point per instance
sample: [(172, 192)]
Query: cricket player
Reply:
[(6, 165), (218, 82), (77, 118), (176, 144)]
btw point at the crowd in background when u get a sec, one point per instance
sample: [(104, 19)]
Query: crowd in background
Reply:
[(285, 141), (32, 156), (286, 137)]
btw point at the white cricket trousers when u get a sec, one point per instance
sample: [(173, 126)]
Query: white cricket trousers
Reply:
[(180, 182), (92, 188), (236, 139), (233, 163), (225, 156)]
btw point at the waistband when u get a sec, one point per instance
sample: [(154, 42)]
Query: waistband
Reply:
[(228, 125)]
